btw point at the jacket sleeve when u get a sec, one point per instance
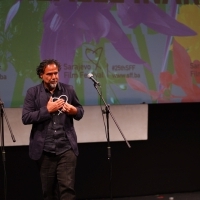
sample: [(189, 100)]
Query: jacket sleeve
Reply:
[(32, 112), (75, 102)]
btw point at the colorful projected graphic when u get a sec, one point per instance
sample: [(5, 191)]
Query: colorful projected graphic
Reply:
[(139, 51)]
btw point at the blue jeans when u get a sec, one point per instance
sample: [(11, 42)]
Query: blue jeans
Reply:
[(58, 172)]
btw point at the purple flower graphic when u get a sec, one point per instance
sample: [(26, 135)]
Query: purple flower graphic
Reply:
[(153, 17), (11, 14), (67, 25)]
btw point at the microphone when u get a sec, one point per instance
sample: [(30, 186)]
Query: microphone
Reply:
[(90, 76)]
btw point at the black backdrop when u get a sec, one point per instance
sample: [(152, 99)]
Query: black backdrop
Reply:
[(168, 162)]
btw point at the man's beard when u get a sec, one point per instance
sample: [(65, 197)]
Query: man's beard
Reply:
[(52, 85)]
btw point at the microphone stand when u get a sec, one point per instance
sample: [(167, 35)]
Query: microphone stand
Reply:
[(107, 112), (3, 113)]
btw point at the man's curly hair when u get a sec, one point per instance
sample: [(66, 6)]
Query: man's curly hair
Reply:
[(40, 69)]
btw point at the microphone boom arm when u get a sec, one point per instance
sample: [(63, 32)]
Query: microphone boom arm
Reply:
[(108, 110)]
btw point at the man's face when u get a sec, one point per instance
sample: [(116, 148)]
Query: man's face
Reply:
[(50, 76)]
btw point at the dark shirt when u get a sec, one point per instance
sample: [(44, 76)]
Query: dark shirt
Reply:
[(56, 140)]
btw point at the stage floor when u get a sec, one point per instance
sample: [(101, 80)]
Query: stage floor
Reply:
[(176, 196)]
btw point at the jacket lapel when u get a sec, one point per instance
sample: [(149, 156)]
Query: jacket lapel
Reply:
[(43, 96)]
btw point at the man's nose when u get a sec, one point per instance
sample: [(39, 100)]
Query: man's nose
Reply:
[(54, 76)]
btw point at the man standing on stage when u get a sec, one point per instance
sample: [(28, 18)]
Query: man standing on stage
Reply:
[(51, 107)]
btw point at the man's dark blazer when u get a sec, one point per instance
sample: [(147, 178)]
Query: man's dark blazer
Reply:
[(35, 112)]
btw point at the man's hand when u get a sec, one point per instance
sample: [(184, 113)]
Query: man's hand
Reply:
[(53, 106), (70, 109)]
